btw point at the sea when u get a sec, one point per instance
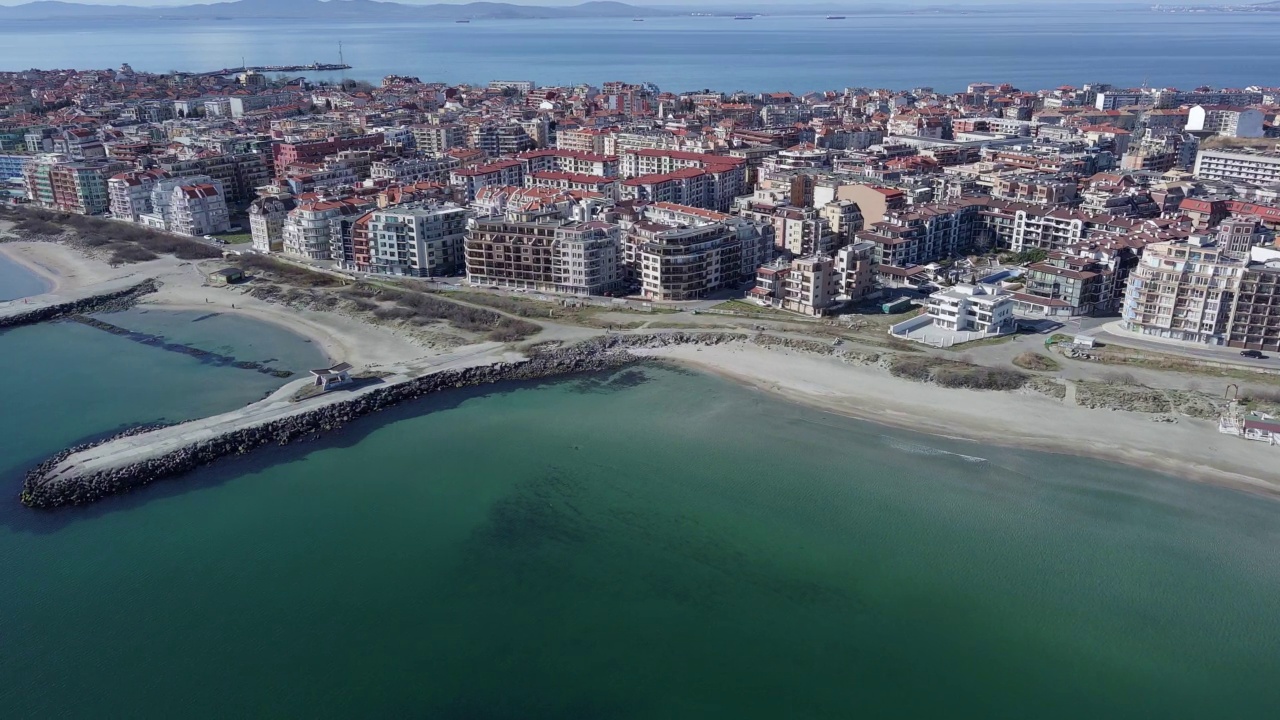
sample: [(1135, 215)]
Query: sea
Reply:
[(645, 543), (1028, 46)]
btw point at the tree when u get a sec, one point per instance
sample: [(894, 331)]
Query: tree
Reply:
[(1031, 256)]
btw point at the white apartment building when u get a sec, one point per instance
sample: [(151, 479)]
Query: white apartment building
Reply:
[(1259, 168), (435, 139), (308, 228), (130, 193), (1235, 122), (972, 308), (421, 240), (197, 210), (161, 216), (266, 221)]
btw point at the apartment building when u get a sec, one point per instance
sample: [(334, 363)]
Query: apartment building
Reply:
[(971, 308), (845, 219), (589, 140), (690, 186), (435, 139), (569, 161), (130, 193), (726, 175), (75, 186), (814, 284), (500, 140), (308, 228), (1039, 189), (544, 254), (267, 215), (290, 152), (924, 234), (469, 181), (1255, 314), (1182, 290), (199, 209), (1251, 166), (574, 182), (163, 196), (683, 253), (1237, 236), (1225, 120), (241, 174), (810, 285), (413, 169), (803, 231), (419, 240), (11, 166)]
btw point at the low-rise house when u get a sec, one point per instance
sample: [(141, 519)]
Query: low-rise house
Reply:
[(965, 308)]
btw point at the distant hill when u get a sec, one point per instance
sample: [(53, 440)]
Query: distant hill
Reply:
[(333, 9)]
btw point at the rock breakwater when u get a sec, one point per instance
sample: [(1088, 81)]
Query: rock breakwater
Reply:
[(45, 487), (113, 301), (204, 356)]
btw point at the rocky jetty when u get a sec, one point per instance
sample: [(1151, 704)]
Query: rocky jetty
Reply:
[(113, 301), (158, 341), (42, 489)]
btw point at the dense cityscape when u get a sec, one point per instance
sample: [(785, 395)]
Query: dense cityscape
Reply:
[(1158, 204)]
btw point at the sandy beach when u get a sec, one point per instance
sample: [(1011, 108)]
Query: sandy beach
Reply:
[(341, 338), (1190, 448)]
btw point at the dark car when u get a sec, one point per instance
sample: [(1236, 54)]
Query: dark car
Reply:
[(1254, 354)]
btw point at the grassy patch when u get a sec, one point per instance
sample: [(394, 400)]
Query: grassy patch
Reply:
[(1121, 356), (749, 308), (126, 242), (285, 272), (1037, 362), (952, 374), (235, 238), (997, 340)]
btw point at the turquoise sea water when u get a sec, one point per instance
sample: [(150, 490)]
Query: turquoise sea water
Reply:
[(644, 544), (17, 282)]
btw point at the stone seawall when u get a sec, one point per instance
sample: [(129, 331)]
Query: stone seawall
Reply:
[(116, 300), (40, 490)]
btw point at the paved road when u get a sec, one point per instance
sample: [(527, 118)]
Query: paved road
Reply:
[(1112, 332)]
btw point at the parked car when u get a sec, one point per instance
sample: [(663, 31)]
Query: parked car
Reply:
[(1252, 354)]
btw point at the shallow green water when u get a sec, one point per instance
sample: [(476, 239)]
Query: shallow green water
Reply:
[(650, 544)]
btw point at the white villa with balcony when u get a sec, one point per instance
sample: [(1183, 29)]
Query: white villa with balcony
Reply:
[(972, 308), (960, 314)]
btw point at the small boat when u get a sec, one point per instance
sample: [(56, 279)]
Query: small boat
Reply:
[(744, 17), (835, 17), (462, 21), (637, 19)]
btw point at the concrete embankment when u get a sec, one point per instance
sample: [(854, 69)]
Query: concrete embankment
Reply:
[(84, 474), (102, 298)]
